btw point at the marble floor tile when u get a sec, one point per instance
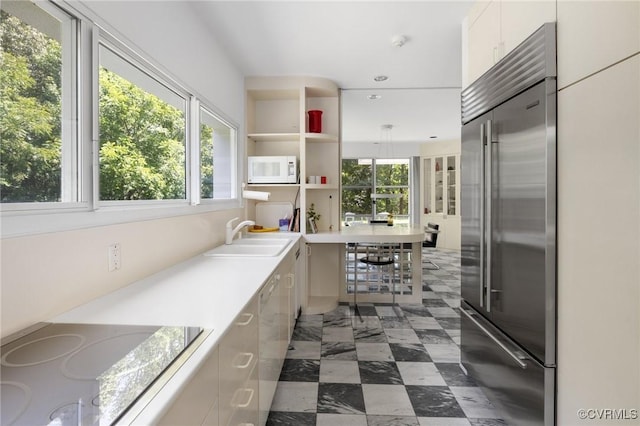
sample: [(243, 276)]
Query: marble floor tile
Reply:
[(401, 335), (420, 373), (328, 419), (434, 401), (308, 333), (449, 323), (436, 337), (454, 303), (392, 421), (368, 321), (435, 303), (430, 295), (335, 321), (416, 311), (443, 421), (386, 311), (367, 310), (386, 369), (300, 370), (338, 350), (338, 371), (296, 397), (379, 372), (454, 376), (372, 335), (387, 400), (444, 312), (337, 334), (424, 323), (412, 352), (314, 320), (438, 288), (299, 349), (373, 352), (340, 398), (395, 322), (487, 422), (281, 418), (443, 353), (474, 403)]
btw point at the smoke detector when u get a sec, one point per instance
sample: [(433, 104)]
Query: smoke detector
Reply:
[(398, 41)]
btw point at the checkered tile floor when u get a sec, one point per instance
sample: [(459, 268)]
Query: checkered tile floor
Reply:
[(395, 368)]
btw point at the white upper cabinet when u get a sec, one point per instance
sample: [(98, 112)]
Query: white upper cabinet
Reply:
[(497, 27), (593, 35)]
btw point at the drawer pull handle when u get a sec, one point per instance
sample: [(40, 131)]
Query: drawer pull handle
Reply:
[(291, 278), (247, 322), (515, 357), (236, 395), (236, 364)]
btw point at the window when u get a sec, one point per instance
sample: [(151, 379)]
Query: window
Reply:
[(373, 188), (87, 122), (142, 133), (37, 104), (217, 157)]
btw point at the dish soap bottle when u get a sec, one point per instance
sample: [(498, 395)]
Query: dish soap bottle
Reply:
[(390, 220)]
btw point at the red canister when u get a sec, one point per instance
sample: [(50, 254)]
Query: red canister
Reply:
[(315, 121)]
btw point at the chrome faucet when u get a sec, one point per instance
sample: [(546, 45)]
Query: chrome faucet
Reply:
[(232, 232)]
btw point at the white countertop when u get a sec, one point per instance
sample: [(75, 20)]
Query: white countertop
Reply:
[(206, 292), (369, 234)]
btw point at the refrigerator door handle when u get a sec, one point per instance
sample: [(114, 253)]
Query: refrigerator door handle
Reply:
[(516, 358), (483, 143), (488, 198)]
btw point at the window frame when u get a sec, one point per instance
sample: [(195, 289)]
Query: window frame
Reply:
[(72, 169), (21, 219), (373, 185)]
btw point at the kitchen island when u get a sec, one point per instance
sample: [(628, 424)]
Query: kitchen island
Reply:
[(328, 264)]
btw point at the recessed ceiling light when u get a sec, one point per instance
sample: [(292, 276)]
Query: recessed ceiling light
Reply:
[(398, 41), (380, 78), (374, 97)]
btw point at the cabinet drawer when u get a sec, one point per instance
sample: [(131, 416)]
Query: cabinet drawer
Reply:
[(244, 403), (199, 399), (238, 361), (242, 335)]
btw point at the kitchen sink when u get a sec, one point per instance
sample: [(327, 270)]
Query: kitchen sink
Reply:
[(250, 248)]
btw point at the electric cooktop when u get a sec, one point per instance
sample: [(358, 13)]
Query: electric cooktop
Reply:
[(84, 374)]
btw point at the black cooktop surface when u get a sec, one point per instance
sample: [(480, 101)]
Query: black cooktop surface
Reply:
[(84, 374)]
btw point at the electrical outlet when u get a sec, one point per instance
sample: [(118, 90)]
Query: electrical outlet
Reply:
[(115, 257)]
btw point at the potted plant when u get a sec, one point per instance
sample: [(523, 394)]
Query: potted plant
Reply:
[(313, 217)]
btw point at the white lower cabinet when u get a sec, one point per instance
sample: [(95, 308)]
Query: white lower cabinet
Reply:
[(277, 317), (269, 332), (238, 369), (197, 404), (236, 384)]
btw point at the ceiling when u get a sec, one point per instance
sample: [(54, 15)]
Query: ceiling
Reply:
[(351, 43)]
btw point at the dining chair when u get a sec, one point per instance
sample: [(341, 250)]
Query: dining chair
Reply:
[(430, 240)]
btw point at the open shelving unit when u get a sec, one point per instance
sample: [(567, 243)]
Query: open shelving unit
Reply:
[(277, 124)]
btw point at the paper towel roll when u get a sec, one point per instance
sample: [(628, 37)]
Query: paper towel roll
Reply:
[(256, 195)]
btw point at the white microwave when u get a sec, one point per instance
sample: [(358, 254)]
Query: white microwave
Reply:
[(273, 169)]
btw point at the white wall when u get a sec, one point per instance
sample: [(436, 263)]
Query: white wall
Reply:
[(47, 274)]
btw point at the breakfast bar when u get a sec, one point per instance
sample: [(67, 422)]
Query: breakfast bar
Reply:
[(334, 266)]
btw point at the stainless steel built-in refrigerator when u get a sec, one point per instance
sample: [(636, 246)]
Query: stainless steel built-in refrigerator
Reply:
[(508, 207)]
